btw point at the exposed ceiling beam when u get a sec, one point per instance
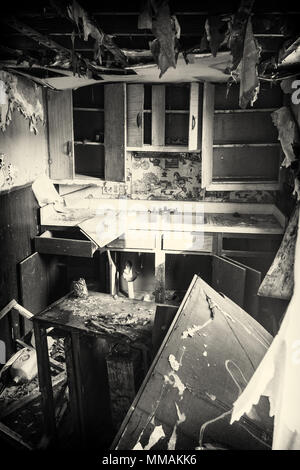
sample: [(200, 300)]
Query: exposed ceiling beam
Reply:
[(143, 34), (48, 15), (52, 45), (16, 53), (36, 36), (75, 12)]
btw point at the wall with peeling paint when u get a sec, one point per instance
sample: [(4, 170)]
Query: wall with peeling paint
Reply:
[(23, 154)]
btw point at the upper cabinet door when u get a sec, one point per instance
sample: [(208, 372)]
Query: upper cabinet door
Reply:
[(158, 115), (195, 114), (60, 126), (114, 131), (135, 115)]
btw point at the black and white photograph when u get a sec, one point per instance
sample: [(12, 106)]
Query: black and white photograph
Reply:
[(149, 214)]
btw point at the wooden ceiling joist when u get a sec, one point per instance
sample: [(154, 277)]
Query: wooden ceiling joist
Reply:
[(36, 36), (45, 41), (74, 12), (16, 53)]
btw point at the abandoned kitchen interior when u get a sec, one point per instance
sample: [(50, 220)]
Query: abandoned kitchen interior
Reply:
[(149, 259)]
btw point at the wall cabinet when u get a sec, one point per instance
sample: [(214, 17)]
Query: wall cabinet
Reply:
[(164, 117), (87, 133), (240, 148)]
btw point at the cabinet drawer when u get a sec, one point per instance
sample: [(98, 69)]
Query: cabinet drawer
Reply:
[(134, 239), (58, 244), (188, 241)]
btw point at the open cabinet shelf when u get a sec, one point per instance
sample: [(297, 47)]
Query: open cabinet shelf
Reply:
[(240, 148)]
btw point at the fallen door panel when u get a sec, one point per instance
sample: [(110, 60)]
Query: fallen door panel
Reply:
[(209, 354)]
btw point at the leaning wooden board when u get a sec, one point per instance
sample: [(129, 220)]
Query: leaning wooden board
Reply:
[(210, 352)]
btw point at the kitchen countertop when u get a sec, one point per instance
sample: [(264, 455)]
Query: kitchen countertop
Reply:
[(121, 221)]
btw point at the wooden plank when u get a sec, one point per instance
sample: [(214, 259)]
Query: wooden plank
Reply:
[(64, 246), (158, 114), (194, 117), (191, 385), (45, 383), (13, 305), (279, 280), (207, 133), (60, 126), (13, 438), (114, 131), (229, 279), (7, 308), (135, 115)]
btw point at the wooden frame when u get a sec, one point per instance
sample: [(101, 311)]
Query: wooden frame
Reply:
[(208, 145)]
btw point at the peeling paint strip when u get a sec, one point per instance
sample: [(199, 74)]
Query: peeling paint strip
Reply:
[(194, 329), (156, 435), (175, 365), (173, 362), (173, 439), (176, 382)]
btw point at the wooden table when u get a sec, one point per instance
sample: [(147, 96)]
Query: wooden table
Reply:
[(91, 327)]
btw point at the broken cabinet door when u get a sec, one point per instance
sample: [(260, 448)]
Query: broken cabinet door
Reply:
[(252, 283), (135, 115), (229, 279), (114, 131), (61, 139)]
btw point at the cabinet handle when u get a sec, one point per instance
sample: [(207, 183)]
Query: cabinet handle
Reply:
[(193, 122), (139, 119), (69, 148)]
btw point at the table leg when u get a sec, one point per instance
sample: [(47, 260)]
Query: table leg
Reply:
[(45, 382)]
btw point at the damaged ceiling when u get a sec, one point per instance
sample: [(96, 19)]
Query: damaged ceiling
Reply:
[(70, 43)]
